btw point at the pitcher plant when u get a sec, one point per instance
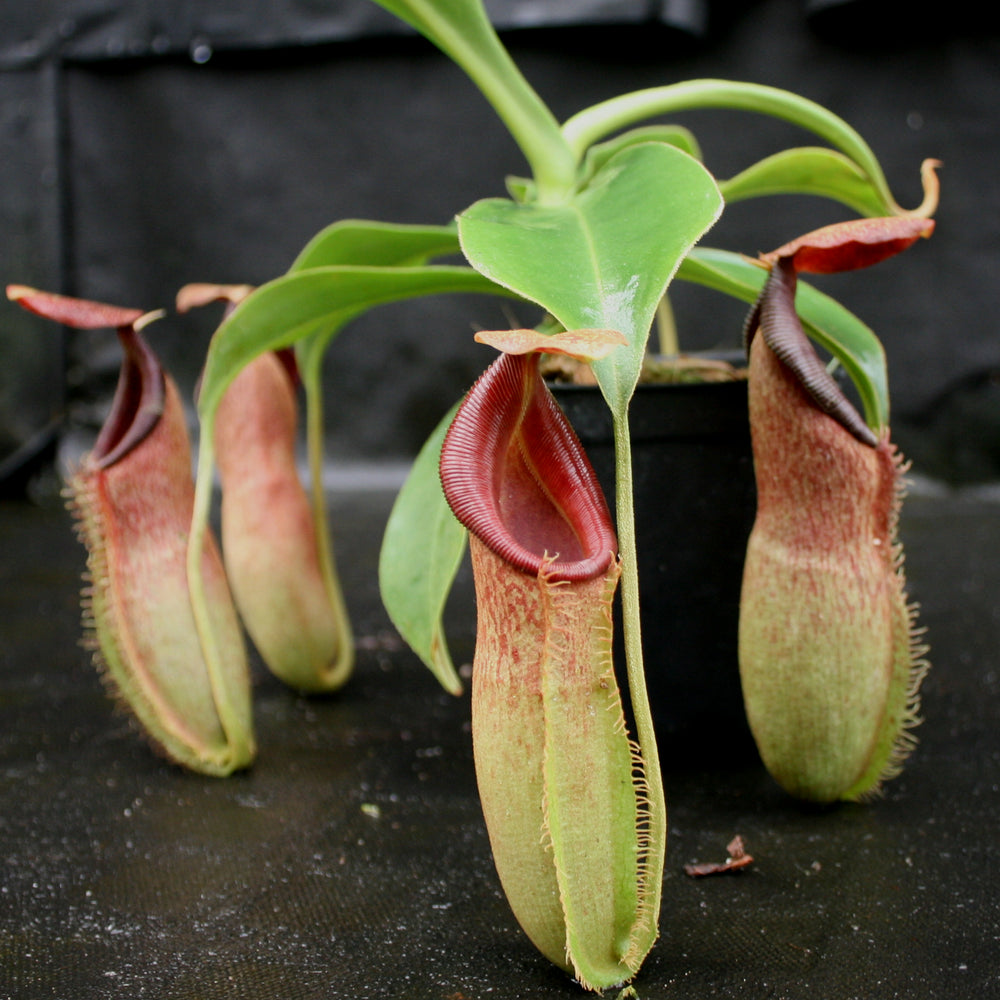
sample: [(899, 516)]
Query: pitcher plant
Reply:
[(614, 206)]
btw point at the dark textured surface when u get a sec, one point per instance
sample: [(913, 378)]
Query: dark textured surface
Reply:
[(351, 862)]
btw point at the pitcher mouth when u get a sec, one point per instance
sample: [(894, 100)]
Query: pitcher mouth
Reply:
[(517, 477), (138, 401), (140, 395)]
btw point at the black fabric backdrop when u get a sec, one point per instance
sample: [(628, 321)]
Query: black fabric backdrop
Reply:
[(145, 145), (149, 145)]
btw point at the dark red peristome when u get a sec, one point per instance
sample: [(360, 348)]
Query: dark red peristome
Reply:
[(515, 474), (843, 246), (779, 325)]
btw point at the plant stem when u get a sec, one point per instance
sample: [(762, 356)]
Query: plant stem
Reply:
[(240, 749), (462, 30), (312, 382), (595, 122), (634, 669), (533, 128), (667, 342)]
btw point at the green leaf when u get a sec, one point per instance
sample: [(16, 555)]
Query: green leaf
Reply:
[(422, 549), (351, 242), (586, 127), (812, 170), (316, 303), (673, 135), (826, 321), (364, 242), (521, 188), (604, 258), (381, 244)]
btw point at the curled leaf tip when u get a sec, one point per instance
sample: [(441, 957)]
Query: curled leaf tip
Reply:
[(147, 318), (932, 189), (17, 292), (584, 344)]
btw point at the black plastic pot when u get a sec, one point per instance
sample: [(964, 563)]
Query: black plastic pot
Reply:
[(694, 506)]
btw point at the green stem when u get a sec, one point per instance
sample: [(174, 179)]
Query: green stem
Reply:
[(531, 124), (634, 669), (593, 123), (462, 30), (240, 746), (344, 663), (667, 341)]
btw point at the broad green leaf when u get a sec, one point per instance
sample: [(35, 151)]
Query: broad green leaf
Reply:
[(381, 244), (422, 548), (812, 170), (831, 325), (312, 303), (604, 258)]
